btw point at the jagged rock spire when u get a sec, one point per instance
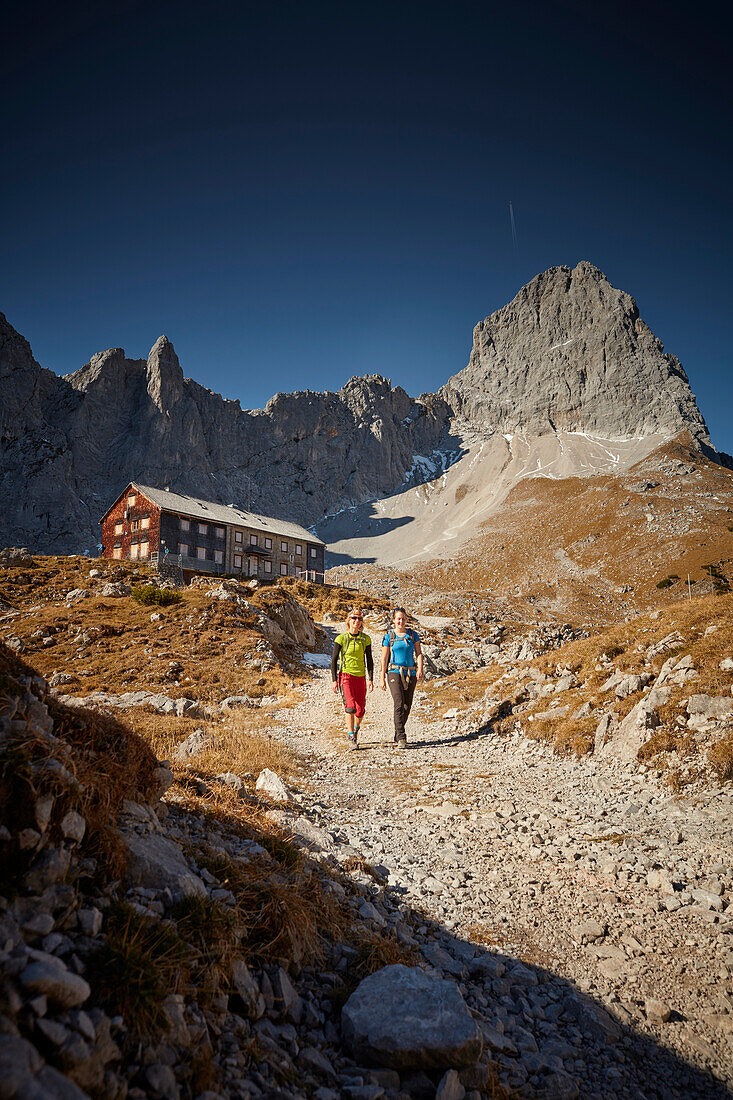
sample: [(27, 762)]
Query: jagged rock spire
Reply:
[(164, 375)]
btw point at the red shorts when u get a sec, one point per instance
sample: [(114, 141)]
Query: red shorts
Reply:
[(353, 689)]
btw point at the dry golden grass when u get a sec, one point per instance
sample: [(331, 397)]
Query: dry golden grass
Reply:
[(247, 744), (674, 740), (242, 743), (282, 912), (601, 523), (319, 599), (574, 737), (378, 949), (110, 643), (720, 757), (140, 961), (107, 761), (520, 940)]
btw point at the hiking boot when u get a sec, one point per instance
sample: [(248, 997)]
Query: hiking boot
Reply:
[(401, 743), (353, 742)]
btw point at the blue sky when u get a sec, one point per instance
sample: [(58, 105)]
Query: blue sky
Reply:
[(299, 193)]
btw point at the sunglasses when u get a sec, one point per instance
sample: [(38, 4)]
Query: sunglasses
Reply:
[(357, 618)]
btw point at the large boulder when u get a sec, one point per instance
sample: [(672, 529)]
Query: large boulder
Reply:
[(405, 1018), (708, 708), (156, 863), (115, 588), (294, 621), (623, 740)]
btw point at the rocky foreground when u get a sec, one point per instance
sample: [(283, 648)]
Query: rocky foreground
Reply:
[(478, 916), (582, 908)]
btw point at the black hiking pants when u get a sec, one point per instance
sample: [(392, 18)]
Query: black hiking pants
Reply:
[(402, 699)]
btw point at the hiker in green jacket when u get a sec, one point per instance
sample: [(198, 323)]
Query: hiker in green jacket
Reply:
[(351, 660), (401, 668)]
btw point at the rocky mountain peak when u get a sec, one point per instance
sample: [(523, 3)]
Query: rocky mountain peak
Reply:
[(570, 353)]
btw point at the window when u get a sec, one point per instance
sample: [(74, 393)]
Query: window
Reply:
[(201, 553), (298, 548), (284, 547), (237, 561), (203, 528), (268, 544), (183, 549), (237, 536), (117, 552), (284, 569), (144, 549), (118, 528), (313, 552), (253, 540), (219, 532), (218, 556), (268, 566), (184, 524), (135, 525), (145, 523), (134, 551), (131, 500)]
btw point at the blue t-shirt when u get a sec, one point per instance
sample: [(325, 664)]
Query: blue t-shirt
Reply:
[(403, 649)]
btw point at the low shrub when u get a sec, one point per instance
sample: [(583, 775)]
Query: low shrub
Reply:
[(151, 596)]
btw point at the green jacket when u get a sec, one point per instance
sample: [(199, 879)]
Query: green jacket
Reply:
[(353, 652)]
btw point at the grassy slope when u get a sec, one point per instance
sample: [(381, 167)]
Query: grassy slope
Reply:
[(592, 660), (111, 644), (567, 549)]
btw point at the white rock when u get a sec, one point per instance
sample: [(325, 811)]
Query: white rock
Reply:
[(367, 911), (73, 826), (193, 745), (270, 783), (53, 980), (90, 921), (248, 989), (450, 1087)]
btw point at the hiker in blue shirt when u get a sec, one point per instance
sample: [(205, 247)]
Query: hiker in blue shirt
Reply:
[(401, 668)]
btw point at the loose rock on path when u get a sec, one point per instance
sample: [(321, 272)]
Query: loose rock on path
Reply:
[(583, 908)]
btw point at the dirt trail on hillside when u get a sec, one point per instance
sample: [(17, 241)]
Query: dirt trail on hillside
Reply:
[(564, 864)]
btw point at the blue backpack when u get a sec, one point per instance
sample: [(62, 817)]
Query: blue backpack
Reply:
[(410, 636)]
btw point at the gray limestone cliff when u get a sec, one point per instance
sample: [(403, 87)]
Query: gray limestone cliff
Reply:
[(571, 353), (69, 445)]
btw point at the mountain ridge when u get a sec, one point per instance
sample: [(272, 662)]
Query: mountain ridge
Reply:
[(69, 442)]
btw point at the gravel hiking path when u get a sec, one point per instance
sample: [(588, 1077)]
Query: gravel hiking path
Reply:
[(595, 877)]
